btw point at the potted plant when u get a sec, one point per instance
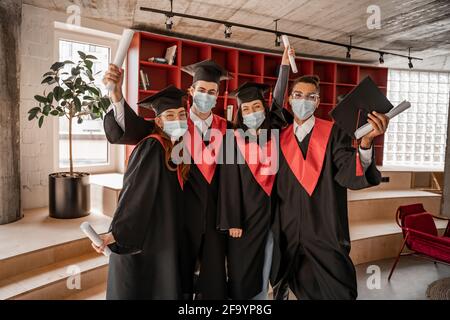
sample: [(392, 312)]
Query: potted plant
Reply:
[(74, 96)]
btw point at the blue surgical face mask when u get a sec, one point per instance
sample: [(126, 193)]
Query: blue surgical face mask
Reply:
[(175, 129), (303, 109), (204, 102), (254, 120)]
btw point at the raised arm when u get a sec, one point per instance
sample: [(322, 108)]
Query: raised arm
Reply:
[(122, 125)]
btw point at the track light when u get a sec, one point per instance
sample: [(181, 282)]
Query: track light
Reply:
[(349, 47), (277, 35), (410, 65), (278, 40), (381, 58), (348, 55), (227, 31), (169, 22), (170, 14)]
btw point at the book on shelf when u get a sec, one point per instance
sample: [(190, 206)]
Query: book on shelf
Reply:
[(145, 84), (158, 60), (170, 54)]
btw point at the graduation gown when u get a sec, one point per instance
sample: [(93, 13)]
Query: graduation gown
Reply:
[(312, 230), (145, 261), (246, 202), (201, 238), (203, 241)]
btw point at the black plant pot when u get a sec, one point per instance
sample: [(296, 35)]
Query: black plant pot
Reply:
[(69, 196)]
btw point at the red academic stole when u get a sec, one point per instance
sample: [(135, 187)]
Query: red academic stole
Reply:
[(257, 167), (159, 138), (307, 171), (205, 157)]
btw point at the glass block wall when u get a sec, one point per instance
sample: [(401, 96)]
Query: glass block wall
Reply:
[(418, 136)]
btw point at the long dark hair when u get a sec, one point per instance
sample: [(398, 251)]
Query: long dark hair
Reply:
[(168, 147)]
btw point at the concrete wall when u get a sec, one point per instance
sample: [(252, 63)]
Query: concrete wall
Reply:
[(10, 21), (37, 55)]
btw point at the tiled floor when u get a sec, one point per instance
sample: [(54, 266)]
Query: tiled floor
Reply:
[(409, 281)]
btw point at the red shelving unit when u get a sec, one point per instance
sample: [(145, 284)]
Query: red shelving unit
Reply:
[(244, 65)]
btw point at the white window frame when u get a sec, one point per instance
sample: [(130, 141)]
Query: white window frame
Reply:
[(116, 153)]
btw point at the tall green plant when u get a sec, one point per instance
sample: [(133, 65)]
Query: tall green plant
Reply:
[(71, 95)]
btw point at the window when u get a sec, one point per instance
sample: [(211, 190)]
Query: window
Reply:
[(89, 143), (418, 136), (90, 148)]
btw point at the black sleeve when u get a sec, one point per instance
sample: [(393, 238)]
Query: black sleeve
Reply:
[(345, 158), (136, 127), (277, 120), (230, 203), (137, 198)]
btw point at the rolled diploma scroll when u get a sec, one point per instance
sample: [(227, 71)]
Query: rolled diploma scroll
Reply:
[(291, 58), (124, 44), (365, 129), (91, 234)]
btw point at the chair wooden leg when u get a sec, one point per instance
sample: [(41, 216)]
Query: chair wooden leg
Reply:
[(398, 258)]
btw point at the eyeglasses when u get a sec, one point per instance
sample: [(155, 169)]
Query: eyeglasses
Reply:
[(301, 95)]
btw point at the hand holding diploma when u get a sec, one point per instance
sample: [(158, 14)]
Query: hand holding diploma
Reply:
[(124, 44), (379, 124), (114, 75), (291, 57), (287, 54), (99, 242)]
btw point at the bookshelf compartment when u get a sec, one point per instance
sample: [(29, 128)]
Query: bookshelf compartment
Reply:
[(227, 58), (271, 65), (160, 78), (326, 93), (347, 74), (378, 75), (193, 53), (251, 63), (156, 47), (325, 70)]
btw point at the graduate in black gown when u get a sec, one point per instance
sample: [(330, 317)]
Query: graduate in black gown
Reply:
[(203, 244), (245, 196), (317, 165), (145, 231)]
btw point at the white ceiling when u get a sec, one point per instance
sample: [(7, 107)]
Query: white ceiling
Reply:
[(422, 25)]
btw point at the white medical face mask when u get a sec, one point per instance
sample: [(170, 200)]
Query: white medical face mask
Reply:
[(204, 102), (303, 109), (254, 120), (175, 129)]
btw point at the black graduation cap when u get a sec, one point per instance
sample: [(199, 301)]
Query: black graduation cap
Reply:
[(207, 70), (351, 112), (168, 98), (250, 91)]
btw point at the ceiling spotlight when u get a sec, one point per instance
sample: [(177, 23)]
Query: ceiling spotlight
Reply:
[(348, 55), (278, 40), (169, 22), (227, 31), (381, 58), (410, 65), (277, 35)]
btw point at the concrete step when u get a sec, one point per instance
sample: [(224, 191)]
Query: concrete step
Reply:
[(97, 292), (371, 204), (38, 240), (378, 239), (57, 280)]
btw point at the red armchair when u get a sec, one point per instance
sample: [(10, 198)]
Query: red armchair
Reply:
[(420, 235)]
